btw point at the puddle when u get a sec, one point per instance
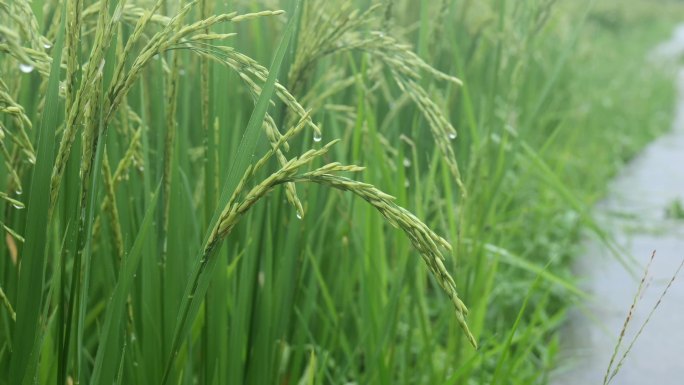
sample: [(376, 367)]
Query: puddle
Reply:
[(636, 214)]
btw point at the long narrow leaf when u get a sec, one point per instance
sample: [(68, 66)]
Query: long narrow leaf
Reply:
[(30, 290), (108, 348)]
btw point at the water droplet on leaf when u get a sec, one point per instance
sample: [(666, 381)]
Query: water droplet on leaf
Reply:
[(317, 137), (101, 67), (25, 68)]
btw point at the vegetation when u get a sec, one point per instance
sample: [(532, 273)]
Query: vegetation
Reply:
[(183, 199), (614, 365)]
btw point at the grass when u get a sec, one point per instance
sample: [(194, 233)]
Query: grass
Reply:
[(614, 366), (191, 173)]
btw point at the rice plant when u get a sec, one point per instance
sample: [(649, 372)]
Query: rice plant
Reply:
[(202, 191)]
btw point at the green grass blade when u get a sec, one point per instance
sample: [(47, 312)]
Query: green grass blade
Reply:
[(506, 349), (30, 288), (109, 348)]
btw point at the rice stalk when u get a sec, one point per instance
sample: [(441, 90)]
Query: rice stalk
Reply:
[(111, 209), (131, 13), (73, 37), (422, 238), (210, 130), (170, 35), (26, 22), (91, 72), (22, 123), (15, 181), (326, 35), (17, 204), (29, 59), (7, 303), (612, 371), (121, 171), (12, 233), (169, 147), (162, 41)]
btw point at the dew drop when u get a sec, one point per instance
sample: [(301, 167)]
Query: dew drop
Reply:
[(101, 67), (299, 216), (155, 57), (19, 191), (317, 137), (47, 45), (452, 135), (407, 184), (407, 162), (25, 68), (17, 206)]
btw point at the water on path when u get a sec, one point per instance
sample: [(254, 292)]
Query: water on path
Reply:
[(635, 214)]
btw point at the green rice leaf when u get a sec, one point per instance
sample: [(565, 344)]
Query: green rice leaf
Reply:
[(108, 352), (33, 261)]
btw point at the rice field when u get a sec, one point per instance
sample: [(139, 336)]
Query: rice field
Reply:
[(308, 191)]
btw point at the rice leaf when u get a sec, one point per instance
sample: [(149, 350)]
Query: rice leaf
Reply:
[(33, 261), (110, 340)]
